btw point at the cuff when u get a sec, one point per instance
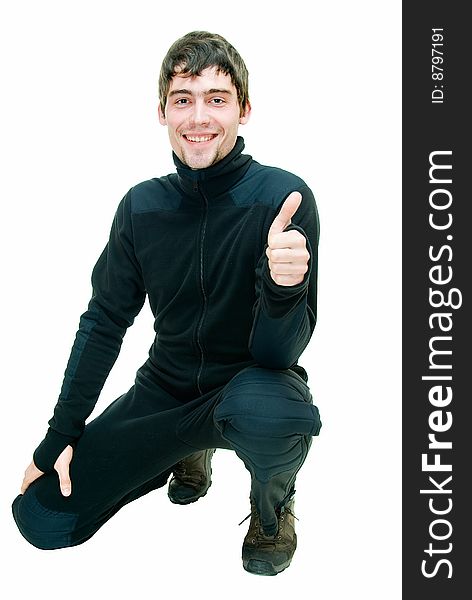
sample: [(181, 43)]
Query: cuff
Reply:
[(49, 449)]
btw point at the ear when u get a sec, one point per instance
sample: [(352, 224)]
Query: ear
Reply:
[(244, 118), (162, 117)]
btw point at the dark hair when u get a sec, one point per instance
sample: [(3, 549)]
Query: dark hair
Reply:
[(198, 50)]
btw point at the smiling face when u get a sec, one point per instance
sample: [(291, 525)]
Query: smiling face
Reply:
[(202, 116)]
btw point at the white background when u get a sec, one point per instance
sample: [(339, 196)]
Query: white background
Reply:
[(79, 128)]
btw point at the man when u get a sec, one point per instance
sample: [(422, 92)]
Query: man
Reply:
[(226, 251)]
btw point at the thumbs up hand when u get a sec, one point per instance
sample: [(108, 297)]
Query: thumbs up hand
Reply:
[(287, 252)]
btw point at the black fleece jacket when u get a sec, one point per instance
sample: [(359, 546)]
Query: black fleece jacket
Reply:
[(194, 242)]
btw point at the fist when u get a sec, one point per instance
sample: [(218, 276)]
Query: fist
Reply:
[(287, 252)]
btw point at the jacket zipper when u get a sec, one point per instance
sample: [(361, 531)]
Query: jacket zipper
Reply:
[(200, 323)]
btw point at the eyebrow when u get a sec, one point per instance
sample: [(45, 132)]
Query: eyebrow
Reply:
[(204, 93)]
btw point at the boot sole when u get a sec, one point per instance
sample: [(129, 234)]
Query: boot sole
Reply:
[(261, 567), (188, 500)]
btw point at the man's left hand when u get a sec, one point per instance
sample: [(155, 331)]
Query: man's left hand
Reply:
[(287, 252)]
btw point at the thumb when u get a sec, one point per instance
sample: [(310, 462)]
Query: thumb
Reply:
[(62, 468), (289, 208)]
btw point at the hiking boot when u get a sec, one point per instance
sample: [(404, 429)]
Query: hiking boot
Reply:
[(270, 554), (191, 478)]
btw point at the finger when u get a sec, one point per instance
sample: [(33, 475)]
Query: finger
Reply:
[(62, 467), (287, 239), (64, 481), (25, 485), (31, 474), (289, 208), (287, 280), (27, 481), (282, 256), (288, 255), (288, 268)]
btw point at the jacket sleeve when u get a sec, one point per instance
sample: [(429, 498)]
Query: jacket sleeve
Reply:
[(118, 296), (285, 316)]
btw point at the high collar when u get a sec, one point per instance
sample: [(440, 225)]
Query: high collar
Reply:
[(217, 178)]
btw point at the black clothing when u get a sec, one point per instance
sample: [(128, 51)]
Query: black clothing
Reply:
[(265, 415), (194, 242), (222, 371)]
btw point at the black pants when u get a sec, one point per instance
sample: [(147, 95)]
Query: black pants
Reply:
[(266, 416)]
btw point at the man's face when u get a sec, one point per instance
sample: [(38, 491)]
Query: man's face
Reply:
[(202, 116)]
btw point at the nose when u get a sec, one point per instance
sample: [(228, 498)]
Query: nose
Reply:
[(200, 114)]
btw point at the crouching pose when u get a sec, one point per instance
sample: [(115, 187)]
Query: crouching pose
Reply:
[(226, 251)]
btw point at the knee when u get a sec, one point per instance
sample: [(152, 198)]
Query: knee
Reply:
[(268, 403), (45, 529)]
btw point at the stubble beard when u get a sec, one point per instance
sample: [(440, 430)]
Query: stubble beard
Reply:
[(201, 161)]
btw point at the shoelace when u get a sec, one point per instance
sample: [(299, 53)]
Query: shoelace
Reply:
[(186, 478), (245, 518), (179, 468), (287, 510), (281, 512)]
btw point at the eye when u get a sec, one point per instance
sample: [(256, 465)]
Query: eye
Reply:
[(181, 101), (217, 101)]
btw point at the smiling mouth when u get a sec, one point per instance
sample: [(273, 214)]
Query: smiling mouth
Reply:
[(199, 139)]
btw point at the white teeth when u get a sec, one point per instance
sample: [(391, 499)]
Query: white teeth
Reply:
[(199, 138)]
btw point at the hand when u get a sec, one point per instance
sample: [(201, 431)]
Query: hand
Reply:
[(61, 466), (287, 252)]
